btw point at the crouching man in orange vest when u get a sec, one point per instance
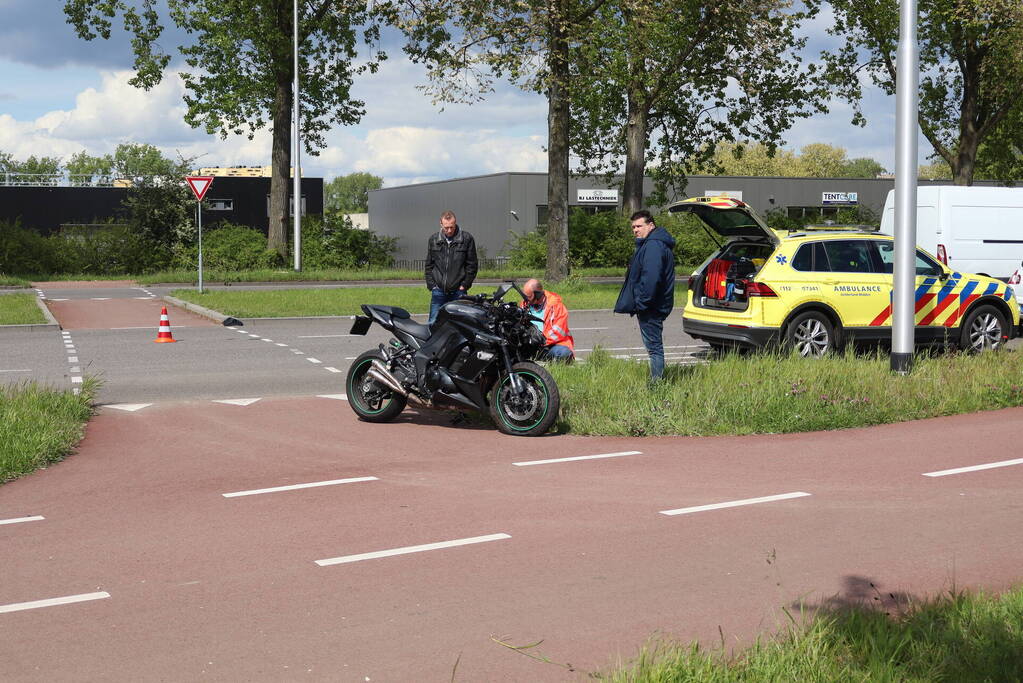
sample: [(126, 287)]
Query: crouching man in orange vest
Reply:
[(549, 307)]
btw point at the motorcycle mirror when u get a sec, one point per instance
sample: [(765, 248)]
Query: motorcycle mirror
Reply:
[(512, 285), (501, 291)]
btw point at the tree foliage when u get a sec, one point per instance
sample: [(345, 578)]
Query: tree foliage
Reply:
[(971, 89), (815, 160), (240, 68), (660, 78), (466, 44), (350, 193)]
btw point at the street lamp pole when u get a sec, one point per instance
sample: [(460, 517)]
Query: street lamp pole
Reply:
[(296, 202), (904, 277)]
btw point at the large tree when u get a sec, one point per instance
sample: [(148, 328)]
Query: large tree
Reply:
[(659, 79), (971, 62), (468, 43), (239, 68), (350, 193)]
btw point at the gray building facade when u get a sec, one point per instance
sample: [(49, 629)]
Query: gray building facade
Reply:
[(491, 207)]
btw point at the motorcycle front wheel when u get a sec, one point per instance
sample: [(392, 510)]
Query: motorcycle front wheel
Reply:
[(531, 413), (371, 401)]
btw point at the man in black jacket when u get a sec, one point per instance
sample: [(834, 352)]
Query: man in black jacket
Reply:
[(451, 263), (649, 289)]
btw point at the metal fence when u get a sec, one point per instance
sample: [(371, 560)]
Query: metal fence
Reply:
[(57, 180), (419, 264)]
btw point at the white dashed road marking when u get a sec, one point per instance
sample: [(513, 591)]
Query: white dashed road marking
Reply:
[(295, 487), (237, 401), (410, 549), (975, 468), (338, 397), (18, 370), (313, 360), (329, 369), (577, 457), (51, 602), (19, 520), (735, 503)]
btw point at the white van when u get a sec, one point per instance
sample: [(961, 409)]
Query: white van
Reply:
[(973, 229)]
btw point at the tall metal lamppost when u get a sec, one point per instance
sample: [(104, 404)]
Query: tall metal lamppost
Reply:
[(906, 169), (296, 201)]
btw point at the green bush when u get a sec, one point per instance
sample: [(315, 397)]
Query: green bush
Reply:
[(604, 240), (111, 250), (23, 251), (228, 247), (331, 241)]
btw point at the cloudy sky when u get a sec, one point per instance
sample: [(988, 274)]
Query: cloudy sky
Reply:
[(60, 95)]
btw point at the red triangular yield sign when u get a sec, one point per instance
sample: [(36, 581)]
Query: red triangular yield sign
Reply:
[(199, 185)]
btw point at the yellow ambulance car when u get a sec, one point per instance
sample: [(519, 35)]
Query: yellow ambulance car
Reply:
[(815, 289)]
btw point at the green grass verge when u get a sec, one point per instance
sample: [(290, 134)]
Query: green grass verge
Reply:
[(20, 309), (12, 281), (958, 637), (213, 276), (39, 425), (774, 393), (346, 301)]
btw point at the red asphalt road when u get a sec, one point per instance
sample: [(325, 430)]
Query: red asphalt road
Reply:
[(86, 314), (228, 588)]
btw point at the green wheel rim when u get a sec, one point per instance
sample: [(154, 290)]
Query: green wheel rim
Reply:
[(356, 396), (546, 402)]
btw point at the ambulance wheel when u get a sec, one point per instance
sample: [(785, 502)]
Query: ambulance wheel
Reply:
[(984, 329), (811, 334)]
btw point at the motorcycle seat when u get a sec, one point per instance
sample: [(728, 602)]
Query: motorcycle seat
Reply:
[(409, 326)]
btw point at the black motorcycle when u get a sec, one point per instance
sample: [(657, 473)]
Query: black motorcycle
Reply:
[(478, 355)]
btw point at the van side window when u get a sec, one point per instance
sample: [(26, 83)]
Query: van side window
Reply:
[(803, 260), (811, 257), (924, 264), (849, 256)]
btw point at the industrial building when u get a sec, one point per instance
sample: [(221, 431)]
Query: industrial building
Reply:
[(46, 205), (491, 207)]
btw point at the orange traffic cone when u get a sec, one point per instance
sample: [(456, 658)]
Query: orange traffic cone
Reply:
[(164, 335)]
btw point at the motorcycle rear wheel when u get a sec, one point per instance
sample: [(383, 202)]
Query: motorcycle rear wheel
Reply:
[(531, 414), (371, 401)]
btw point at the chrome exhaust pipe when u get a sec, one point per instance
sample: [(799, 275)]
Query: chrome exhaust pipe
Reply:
[(379, 372)]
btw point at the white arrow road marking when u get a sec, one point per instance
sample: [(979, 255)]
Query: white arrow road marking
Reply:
[(735, 503), (129, 407), (18, 520), (237, 401), (411, 549), (51, 602), (338, 397), (295, 487)]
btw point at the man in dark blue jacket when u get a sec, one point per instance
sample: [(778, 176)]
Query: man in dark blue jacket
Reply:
[(649, 289)]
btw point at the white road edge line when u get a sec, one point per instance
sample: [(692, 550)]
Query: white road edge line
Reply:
[(51, 602), (295, 487), (974, 468), (410, 549), (18, 520), (577, 457), (735, 503)]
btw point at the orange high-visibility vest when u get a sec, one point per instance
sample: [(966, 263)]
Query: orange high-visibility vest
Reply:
[(555, 321)]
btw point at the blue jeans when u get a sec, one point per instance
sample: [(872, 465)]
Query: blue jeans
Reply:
[(558, 352), (651, 327), (438, 298)]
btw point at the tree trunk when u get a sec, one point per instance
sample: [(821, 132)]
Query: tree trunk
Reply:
[(557, 146), (280, 173), (635, 156)]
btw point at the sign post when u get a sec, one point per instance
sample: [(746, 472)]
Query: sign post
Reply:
[(199, 184)]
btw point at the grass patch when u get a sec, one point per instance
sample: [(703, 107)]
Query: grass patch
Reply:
[(346, 301), (957, 637), (214, 276), (20, 309), (775, 393), (12, 281), (40, 425)]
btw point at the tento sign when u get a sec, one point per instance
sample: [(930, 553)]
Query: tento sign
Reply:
[(596, 196), (840, 198)]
